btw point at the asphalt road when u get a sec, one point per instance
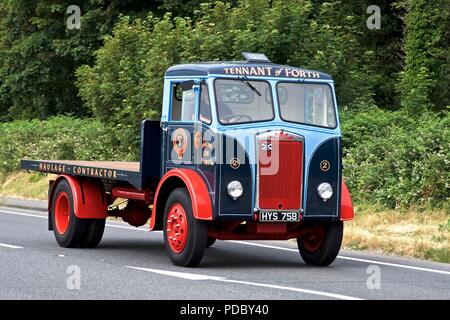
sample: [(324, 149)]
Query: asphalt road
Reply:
[(131, 263)]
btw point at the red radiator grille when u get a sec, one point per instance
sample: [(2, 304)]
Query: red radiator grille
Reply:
[(280, 174)]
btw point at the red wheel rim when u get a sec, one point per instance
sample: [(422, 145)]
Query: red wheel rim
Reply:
[(314, 240), (62, 213), (177, 228)]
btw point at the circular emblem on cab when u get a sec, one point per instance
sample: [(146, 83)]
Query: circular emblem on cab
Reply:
[(180, 142), (235, 163), (325, 165)]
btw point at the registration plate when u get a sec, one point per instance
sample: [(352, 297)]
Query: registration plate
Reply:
[(279, 216)]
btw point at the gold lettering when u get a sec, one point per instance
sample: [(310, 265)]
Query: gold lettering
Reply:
[(253, 71), (261, 71), (115, 174), (227, 70), (288, 72), (245, 71), (302, 74), (269, 70), (316, 75)]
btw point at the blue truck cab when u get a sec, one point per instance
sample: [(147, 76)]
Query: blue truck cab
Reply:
[(244, 150)]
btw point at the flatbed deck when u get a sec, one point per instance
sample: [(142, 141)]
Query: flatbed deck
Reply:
[(107, 170)]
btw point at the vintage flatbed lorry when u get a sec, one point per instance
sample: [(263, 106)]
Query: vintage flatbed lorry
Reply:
[(247, 150)]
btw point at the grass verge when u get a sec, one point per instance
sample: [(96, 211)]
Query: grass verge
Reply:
[(423, 234), (416, 233), (24, 185)]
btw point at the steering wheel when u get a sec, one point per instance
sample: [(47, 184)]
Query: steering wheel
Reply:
[(233, 118)]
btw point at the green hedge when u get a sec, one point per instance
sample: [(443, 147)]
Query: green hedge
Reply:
[(57, 138), (396, 159), (390, 158)]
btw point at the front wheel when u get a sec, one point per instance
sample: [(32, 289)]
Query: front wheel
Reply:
[(185, 237), (322, 245), (210, 242)]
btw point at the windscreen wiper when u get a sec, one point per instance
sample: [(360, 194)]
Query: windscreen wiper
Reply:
[(244, 80)]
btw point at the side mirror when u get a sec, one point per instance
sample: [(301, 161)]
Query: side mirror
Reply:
[(187, 85)]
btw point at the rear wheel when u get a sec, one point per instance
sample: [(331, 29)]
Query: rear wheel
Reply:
[(321, 247), (94, 233), (184, 236), (69, 230)]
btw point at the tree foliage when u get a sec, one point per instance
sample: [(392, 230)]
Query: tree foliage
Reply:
[(39, 54), (426, 77), (125, 83), (392, 83)]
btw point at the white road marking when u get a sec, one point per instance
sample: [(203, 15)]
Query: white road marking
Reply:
[(10, 246), (126, 227), (182, 275), (45, 217), (349, 258), (23, 214), (262, 245), (396, 265), (196, 277)]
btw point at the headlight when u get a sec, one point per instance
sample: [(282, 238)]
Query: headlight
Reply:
[(235, 189), (325, 191)]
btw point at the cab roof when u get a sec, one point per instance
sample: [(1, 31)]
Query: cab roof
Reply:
[(244, 68)]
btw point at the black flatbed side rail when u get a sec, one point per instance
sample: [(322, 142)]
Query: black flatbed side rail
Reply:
[(86, 169)]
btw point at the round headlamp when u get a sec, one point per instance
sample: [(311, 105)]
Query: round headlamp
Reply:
[(325, 191), (235, 189)]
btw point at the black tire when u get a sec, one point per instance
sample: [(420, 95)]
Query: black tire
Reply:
[(76, 229), (329, 247), (197, 231), (210, 241), (94, 233)]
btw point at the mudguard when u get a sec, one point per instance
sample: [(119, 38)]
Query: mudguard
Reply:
[(88, 197), (198, 191), (347, 212)]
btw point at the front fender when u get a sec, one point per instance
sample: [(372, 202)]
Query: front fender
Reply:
[(347, 212), (198, 191)]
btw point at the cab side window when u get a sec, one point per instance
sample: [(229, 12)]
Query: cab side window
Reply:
[(205, 105), (183, 104)]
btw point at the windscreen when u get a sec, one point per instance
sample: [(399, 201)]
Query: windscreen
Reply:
[(310, 104), (241, 101)]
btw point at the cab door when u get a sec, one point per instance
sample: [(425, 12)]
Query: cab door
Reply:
[(178, 132), (205, 142)]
